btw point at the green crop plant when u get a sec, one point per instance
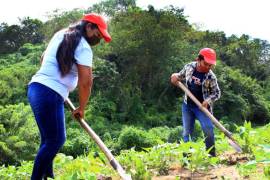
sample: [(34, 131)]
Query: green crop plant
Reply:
[(158, 160), (195, 157), (266, 171), (134, 163), (247, 136), (82, 167), (246, 169), (22, 172)]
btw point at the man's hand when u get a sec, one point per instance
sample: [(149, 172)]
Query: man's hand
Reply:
[(205, 104), (174, 78)]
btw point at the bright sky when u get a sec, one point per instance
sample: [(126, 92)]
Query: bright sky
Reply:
[(231, 16)]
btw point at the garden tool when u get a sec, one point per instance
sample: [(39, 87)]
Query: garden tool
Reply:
[(101, 145), (227, 133)]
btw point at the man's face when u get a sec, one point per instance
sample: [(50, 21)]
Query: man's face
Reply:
[(207, 65), (204, 66)]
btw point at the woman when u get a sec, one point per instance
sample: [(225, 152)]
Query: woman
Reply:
[(66, 62), (202, 83)]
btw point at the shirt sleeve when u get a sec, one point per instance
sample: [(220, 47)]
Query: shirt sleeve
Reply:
[(84, 56), (182, 73), (215, 91)]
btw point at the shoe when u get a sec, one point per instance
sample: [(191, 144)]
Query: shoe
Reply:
[(212, 152)]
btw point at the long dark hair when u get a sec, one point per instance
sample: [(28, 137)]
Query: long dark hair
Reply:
[(66, 50)]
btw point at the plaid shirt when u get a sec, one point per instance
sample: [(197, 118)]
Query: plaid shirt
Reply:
[(210, 89)]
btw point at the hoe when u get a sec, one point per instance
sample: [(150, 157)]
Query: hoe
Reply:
[(227, 133), (116, 166)]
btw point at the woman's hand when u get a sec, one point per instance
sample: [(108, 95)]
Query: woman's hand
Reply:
[(78, 113)]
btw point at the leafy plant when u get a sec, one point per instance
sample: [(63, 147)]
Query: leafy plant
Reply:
[(266, 171), (246, 135), (159, 159), (194, 156), (248, 168)]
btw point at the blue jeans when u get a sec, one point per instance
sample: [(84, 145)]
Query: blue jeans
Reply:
[(189, 114), (48, 109)]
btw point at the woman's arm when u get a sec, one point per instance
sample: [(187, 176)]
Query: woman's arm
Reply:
[(85, 81)]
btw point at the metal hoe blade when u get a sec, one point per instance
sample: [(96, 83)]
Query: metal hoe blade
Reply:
[(235, 145)]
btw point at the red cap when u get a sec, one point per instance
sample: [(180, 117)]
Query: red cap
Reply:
[(100, 22), (209, 55)]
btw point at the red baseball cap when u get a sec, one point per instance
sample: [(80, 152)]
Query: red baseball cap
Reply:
[(100, 22), (209, 55)]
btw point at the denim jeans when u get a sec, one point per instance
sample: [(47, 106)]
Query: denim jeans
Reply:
[(189, 114), (48, 109)]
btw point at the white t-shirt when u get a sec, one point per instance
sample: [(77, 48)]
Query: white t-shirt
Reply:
[(49, 73)]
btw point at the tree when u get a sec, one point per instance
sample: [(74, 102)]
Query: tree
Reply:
[(143, 49), (31, 30), (110, 7), (10, 39), (252, 56), (59, 20), (14, 36), (242, 97)]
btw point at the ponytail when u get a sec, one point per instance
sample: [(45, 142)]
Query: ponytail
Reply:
[(66, 50)]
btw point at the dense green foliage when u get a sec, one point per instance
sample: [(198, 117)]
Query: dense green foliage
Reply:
[(14, 36), (133, 105), (18, 134), (159, 159)]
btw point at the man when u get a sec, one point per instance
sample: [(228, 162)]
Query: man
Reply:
[(202, 82)]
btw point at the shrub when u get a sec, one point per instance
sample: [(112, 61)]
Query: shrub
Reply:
[(175, 134), (19, 135), (133, 137), (161, 132), (78, 142)]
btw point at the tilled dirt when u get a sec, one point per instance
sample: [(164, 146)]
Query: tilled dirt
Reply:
[(227, 170), (234, 158), (219, 172)]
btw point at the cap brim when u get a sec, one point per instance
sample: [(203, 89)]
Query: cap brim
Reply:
[(210, 61), (105, 34)]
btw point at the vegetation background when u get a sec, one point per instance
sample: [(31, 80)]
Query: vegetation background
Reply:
[(133, 105)]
